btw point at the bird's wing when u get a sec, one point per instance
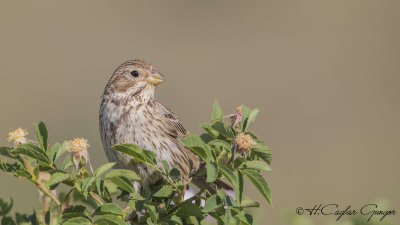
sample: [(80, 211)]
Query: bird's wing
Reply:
[(175, 130), (175, 126)]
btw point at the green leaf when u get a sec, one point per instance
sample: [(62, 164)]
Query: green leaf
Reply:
[(111, 186), (252, 117), (229, 220), (135, 152), (224, 129), (189, 209), (5, 206), (64, 147), (102, 169), (47, 217), (33, 218), (108, 208), (164, 192), (212, 170), (151, 156), (151, 209), (56, 153), (218, 217), (123, 183), (109, 220), (245, 219), (255, 165), (217, 112), (42, 135), (230, 175), (36, 172), (221, 194), (235, 178), (172, 220), (76, 211), (128, 174), (166, 167), (77, 221), (7, 220), (137, 202), (66, 163), (6, 151), (212, 203), (262, 151), (207, 127), (175, 174), (240, 186), (247, 203), (57, 178), (245, 118), (260, 183), (100, 186), (220, 144), (32, 151), (192, 220), (53, 151), (21, 219), (230, 201), (87, 182), (197, 145)]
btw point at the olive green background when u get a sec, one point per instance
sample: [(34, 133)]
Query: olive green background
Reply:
[(325, 75)]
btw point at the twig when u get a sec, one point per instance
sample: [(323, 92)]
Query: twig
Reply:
[(38, 183), (45, 191), (68, 194), (95, 197), (91, 168), (181, 204)]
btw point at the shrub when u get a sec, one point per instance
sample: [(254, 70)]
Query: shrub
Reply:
[(107, 196)]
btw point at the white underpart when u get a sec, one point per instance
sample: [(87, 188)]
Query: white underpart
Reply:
[(137, 129)]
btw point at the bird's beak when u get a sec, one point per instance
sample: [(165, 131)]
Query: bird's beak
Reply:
[(155, 78)]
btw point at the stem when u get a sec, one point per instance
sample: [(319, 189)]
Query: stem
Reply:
[(39, 184), (166, 175), (51, 166), (45, 191), (68, 194), (91, 168), (168, 212)]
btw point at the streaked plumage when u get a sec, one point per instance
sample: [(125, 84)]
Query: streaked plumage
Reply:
[(130, 113)]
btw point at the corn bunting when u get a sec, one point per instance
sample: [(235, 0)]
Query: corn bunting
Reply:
[(130, 113)]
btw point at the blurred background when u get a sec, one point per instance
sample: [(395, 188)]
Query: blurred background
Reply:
[(325, 75)]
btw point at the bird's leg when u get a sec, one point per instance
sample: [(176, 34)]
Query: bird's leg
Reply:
[(186, 183), (132, 218), (183, 194)]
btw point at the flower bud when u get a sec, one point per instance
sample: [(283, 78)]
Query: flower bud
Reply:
[(236, 118)]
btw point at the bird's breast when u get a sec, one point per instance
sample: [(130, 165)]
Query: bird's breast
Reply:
[(137, 124)]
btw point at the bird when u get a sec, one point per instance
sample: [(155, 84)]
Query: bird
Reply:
[(131, 113)]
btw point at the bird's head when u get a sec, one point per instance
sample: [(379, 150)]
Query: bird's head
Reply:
[(134, 77)]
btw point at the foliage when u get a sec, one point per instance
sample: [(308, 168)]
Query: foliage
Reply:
[(108, 196)]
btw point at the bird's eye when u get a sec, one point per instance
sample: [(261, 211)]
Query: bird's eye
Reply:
[(135, 73)]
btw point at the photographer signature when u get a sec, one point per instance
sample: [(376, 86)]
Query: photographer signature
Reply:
[(369, 210)]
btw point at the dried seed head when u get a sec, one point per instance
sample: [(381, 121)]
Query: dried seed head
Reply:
[(239, 110), (244, 142), (78, 145), (79, 149), (17, 136), (236, 117)]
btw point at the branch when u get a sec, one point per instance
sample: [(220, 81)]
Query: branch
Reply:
[(168, 212)]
